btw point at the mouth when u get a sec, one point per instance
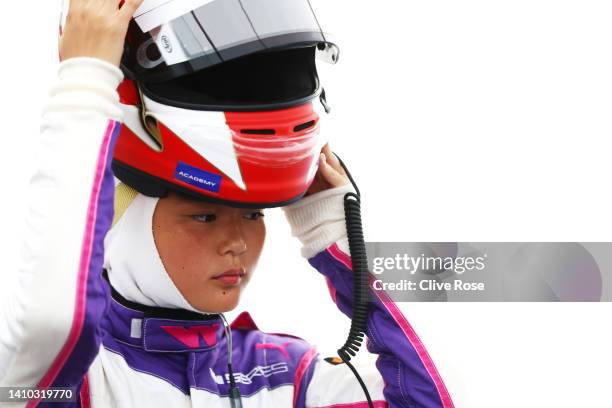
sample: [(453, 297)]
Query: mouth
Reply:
[(232, 277)]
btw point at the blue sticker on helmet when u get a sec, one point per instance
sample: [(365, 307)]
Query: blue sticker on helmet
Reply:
[(198, 178)]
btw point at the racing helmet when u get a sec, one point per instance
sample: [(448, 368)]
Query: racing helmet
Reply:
[(221, 100)]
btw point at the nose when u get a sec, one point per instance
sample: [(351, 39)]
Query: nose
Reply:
[(233, 242)]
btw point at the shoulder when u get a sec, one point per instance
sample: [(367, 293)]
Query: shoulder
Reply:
[(271, 348)]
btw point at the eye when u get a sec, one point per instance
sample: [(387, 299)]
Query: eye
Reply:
[(204, 217), (255, 215)]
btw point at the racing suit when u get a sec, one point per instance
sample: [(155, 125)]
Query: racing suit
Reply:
[(66, 326)]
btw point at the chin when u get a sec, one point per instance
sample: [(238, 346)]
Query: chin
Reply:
[(222, 306)]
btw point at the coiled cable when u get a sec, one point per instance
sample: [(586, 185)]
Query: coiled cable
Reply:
[(359, 318)]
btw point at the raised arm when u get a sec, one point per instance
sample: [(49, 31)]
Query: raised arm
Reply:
[(48, 331), (405, 375)]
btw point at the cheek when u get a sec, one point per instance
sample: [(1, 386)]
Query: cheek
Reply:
[(194, 247), (255, 236), (185, 252)]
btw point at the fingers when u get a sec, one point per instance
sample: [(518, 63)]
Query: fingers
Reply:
[(332, 159), (97, 29), (331, 174), (328, 153)]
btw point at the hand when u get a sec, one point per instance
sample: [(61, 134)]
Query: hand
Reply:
[(97, 29), (330, 173)]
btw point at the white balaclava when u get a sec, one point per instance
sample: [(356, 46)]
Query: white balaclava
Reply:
[(131, 258)]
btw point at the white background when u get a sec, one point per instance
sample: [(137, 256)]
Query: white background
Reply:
[(461, 121)]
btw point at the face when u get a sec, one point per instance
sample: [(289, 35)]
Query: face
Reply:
[(210, 251)]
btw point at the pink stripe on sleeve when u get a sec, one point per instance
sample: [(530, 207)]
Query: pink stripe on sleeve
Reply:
[(86, 251), (301, 370), (85, 401), (332, 290)]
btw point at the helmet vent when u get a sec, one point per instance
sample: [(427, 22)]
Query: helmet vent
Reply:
[(152, 126), (304, 126), (258, 131)]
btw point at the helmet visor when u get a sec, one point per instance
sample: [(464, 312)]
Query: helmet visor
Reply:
[(162, 45)]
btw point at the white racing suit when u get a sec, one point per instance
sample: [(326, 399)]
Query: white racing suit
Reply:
[(65, 326)]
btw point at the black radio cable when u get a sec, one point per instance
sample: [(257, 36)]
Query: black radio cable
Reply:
[(234, 393), (359, 319)]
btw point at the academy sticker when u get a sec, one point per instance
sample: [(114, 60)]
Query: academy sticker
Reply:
[(198, 178)]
